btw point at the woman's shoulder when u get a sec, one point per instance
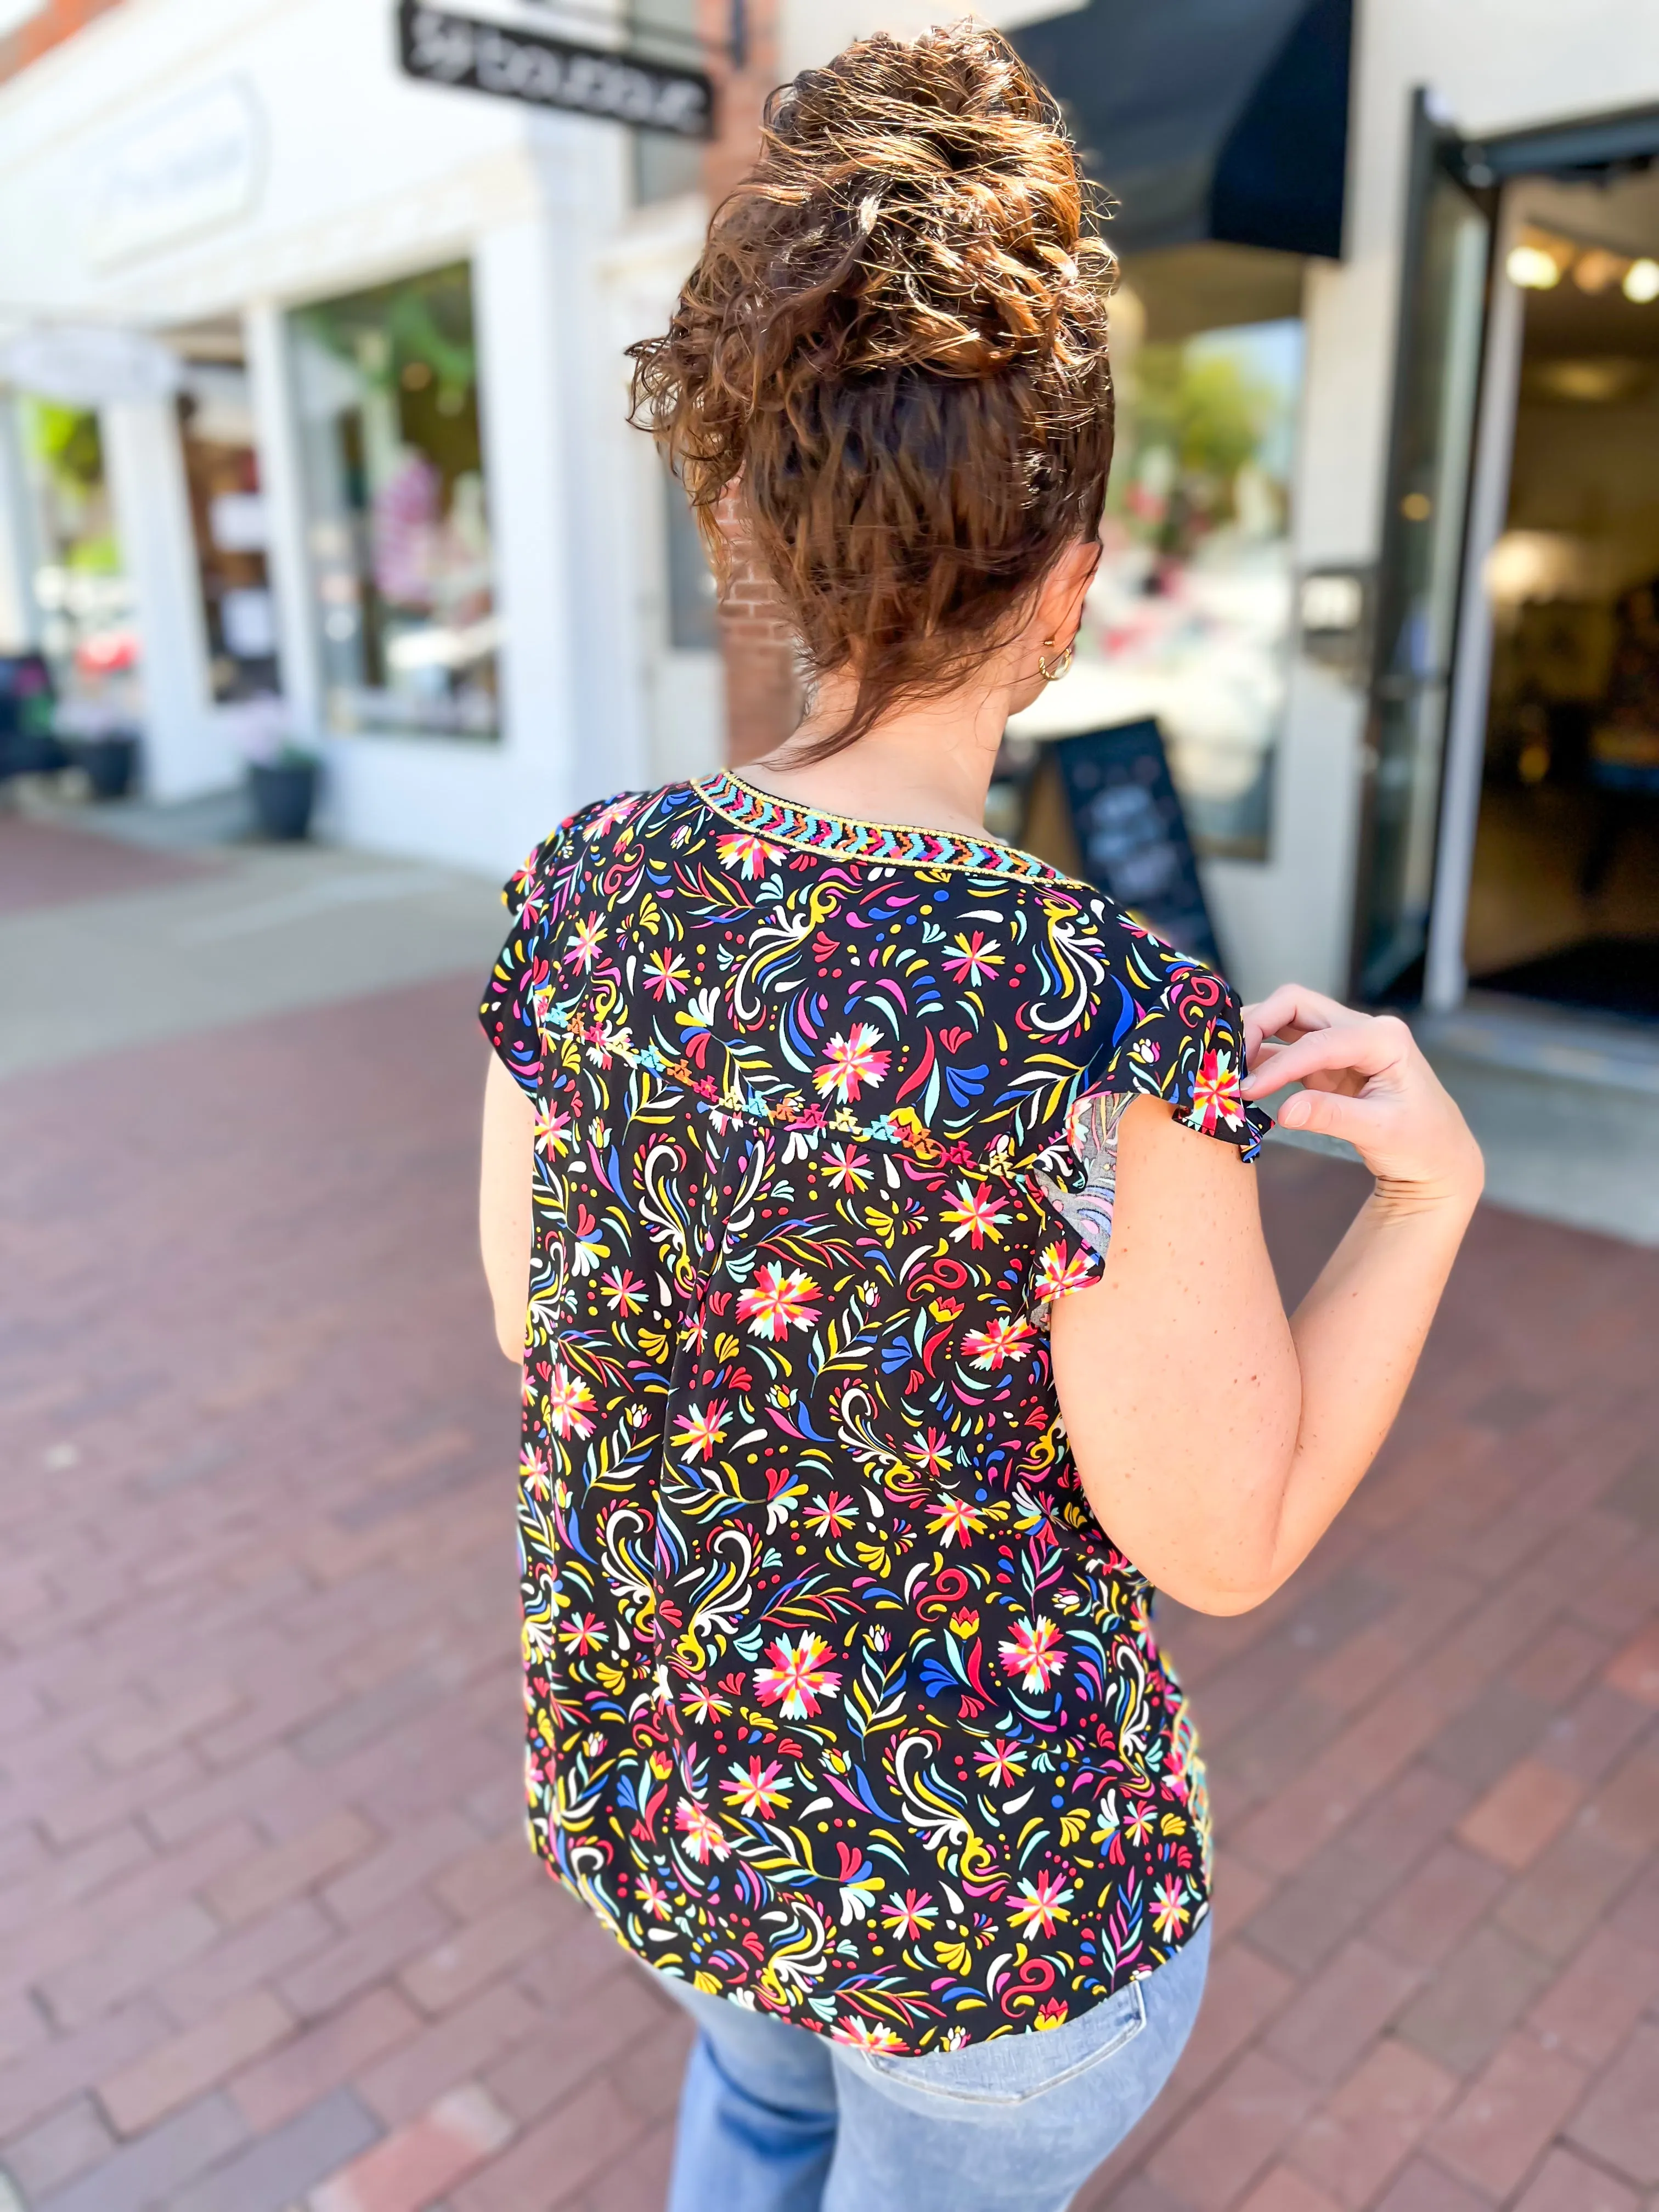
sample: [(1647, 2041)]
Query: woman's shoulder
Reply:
[(573, 841)]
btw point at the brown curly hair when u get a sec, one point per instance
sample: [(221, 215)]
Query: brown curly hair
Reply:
[(892, 353)]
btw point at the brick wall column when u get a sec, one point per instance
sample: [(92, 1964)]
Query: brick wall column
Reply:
[(762, 691), (47, 27)]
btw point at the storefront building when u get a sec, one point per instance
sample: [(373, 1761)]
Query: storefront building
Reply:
[(393, 483), (1385, 516), (1380, 545)]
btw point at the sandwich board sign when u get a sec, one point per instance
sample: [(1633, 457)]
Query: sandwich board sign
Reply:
[(1133, 834)]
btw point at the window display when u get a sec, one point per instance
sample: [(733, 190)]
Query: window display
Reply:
[(665, 165), (1190, 617), (85, 600), (387, 395), (227, 516)]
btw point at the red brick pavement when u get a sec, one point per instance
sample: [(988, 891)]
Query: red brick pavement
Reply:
[(268, 1931), (41, 865)]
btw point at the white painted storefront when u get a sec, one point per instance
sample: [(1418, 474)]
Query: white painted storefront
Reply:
[(175, 165), (346, 174)]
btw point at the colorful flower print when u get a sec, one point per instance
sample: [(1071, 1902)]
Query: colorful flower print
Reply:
[(852, 1063), (777, 1301), (839, 1698), (798, 1680)]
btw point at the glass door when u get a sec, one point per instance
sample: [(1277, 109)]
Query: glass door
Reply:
[(1442, 319)]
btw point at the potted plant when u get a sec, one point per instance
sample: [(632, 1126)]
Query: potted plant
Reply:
[(283, 769), (98, 737)]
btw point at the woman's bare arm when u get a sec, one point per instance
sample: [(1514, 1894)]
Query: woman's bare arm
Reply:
[(509, 1153), (1217, 1441)]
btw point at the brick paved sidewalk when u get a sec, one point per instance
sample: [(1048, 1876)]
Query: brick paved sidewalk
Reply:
[(269, 1934)]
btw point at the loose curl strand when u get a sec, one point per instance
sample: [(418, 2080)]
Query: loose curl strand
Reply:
[(891, 360)]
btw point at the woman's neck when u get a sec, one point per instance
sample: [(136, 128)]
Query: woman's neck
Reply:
[(928, 765)]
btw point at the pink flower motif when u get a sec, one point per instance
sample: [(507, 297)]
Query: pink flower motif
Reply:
[(1062, 1271), (797, 1679), (701, 1429), (974, 1213), (1216, 1094), (1169, 1912), (750, 854), (570, 1405), (1041, 1906), (775, 1302), (1036, 1652), (910, 1920), (705, 1838), (868, 2035), (666, 974), (1007, 1338), (852, 1063), (586, 936), (976, 959), (757, 1790)]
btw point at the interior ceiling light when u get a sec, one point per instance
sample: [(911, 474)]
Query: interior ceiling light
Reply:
[(1594, 270), (1534, 271), (1591, 383), (1642, 281)]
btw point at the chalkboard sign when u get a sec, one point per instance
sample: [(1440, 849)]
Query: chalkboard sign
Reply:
[(1133, 834)]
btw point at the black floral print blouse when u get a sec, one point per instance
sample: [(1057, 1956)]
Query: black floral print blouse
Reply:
[(841, 1702)]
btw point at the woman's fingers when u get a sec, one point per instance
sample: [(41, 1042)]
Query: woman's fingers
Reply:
[(1295, 1003), (1360, 1045), (1331, 1114), (1291, 1008), (1367, 1083)]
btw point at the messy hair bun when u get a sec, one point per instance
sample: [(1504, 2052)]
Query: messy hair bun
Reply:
[(893, 350)]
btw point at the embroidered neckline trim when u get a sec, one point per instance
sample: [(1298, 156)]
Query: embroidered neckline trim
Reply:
[(879, 844)]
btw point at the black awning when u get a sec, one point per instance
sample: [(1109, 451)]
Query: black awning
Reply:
[(1207, 118)]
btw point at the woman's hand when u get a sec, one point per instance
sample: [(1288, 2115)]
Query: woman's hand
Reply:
[(1365, 1081)]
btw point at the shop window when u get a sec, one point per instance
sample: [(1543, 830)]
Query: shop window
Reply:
[(402, 565), (693, 618), (229, 518), (665, 165), (83, 597), (1189, 619)]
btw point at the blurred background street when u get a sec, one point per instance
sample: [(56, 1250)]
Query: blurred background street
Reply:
[(331, 578)]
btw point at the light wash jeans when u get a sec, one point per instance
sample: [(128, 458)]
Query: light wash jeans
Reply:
[(774, 2119)]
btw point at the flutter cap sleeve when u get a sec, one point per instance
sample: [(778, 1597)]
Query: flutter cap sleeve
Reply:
[(508, 1009), (1175, 1033)]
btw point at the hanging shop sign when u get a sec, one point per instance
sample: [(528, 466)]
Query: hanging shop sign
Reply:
[(440, 48)]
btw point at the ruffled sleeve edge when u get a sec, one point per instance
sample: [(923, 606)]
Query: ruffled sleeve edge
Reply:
[(1203, 1086)]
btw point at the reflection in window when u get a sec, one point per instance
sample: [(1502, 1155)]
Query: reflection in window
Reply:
[(666, 165), (386, 389), (1189, 618), (693, 611), (85, 601), (229, 517)]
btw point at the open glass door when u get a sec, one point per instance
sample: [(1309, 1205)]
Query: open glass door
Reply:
[(1443, 317)]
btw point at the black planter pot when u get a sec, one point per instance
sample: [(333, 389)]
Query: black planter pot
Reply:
[(32, 752), (283, 793), (110, 764)]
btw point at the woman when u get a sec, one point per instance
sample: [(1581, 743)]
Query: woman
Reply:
[(852, 1451)]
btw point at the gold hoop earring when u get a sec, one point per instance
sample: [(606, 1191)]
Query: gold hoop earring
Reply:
[(1053, 675)]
